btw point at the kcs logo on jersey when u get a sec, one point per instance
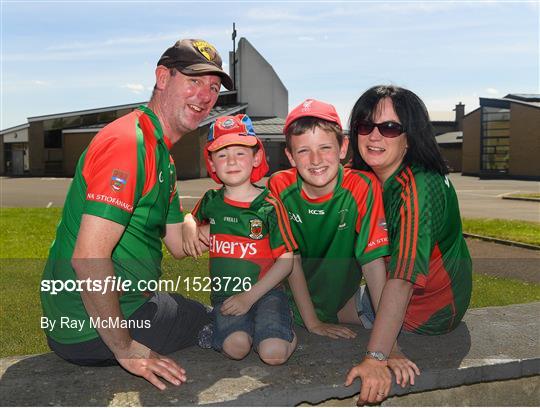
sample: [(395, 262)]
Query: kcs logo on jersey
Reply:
[(255, 226)]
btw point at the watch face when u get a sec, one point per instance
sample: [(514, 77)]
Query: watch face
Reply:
[(377, 355)]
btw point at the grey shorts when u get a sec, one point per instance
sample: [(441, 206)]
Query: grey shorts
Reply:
[(175, 323)]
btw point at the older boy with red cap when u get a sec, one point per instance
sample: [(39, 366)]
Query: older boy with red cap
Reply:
[(337, 218), (251, 247)]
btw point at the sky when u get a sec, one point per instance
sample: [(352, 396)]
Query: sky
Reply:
[(66, 56)]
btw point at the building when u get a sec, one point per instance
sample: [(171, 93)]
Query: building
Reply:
[(50, 145), (502, 138), (448, 127)]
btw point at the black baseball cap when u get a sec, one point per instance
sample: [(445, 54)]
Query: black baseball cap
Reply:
[(195, 57)]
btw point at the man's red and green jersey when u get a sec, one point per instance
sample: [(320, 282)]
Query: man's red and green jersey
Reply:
[(245, 238), (336, 234), (428, 248), (126, 175)]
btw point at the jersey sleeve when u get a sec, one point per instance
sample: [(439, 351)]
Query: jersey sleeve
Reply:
[(175, 212), (420, 213), (372, 240), (110, 173), (199, 211), (279, 229)]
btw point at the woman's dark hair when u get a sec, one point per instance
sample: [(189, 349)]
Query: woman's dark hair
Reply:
[(422, 146)]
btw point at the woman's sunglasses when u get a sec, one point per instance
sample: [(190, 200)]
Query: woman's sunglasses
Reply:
[(387, 129)]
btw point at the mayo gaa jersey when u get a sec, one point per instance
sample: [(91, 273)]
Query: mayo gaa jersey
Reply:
[(336, 234), (428, 248), (245, 238), (126, 175)]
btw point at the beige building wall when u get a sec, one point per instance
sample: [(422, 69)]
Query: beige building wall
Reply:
[(73, 145), (470, 163), (524, 141)]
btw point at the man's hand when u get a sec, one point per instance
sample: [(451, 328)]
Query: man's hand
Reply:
[(333, 331), (403, 368), (143, 362), (237, 305), (190, 237), (376, 380)]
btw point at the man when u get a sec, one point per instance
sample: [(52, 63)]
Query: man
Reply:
[(107, 250)]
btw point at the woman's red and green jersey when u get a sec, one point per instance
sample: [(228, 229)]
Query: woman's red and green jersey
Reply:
[(246, 238), (428, 248), (126, 175), (336, 234)]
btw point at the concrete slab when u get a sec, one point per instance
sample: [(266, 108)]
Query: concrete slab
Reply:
[(497, 343)]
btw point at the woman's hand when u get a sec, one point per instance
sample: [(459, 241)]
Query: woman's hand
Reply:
[(403, 368), (376, 380)]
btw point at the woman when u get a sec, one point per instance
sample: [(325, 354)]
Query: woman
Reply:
[(429, 272)]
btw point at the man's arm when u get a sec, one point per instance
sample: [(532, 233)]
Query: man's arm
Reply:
[(302, 298), (92, 260), (173, 239)]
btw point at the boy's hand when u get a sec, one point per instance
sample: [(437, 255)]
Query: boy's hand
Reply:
[(237, 305), (333, 331), (190, 237), (403, 368)]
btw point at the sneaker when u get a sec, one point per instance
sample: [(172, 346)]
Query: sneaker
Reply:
[(204, 338)]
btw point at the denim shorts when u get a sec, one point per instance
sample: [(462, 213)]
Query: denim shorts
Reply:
[(365, 310), (270, 317)]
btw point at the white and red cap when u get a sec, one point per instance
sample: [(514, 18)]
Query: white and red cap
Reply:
[(234, 130), (314, 108)]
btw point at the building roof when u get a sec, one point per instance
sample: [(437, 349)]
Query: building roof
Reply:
[(532, 100), (450, 138), (15, 128), (214, 113)]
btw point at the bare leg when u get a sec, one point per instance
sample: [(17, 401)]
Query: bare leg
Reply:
[(237, 345), (276, 351), (348, 313)]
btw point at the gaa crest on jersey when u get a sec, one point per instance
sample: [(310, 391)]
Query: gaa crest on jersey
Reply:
[(342, 219), (256, 228), (119, 180), (381, 222)]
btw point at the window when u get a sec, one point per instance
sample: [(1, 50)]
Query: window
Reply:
[(495, 140), (53, 139)]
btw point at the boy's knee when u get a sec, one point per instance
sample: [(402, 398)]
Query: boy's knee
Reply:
[(275, 351), (237, 345)]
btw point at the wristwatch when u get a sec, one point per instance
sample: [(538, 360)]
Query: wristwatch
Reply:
[(377, 355)]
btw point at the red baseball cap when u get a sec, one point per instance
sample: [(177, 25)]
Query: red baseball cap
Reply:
[(234, 130), (315, 108)]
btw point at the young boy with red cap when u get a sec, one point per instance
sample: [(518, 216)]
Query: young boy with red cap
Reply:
[(337, 218), (251, 247)]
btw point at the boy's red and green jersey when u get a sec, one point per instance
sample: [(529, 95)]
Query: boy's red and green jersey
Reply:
[(245, 238), (428, 248), (336, 234), (126, 175)]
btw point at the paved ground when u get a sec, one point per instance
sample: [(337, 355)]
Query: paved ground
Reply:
[(478, 198), (491, 344)]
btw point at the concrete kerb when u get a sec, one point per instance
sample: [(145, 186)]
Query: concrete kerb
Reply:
[(491, 344), (502, 241), (509, 197)]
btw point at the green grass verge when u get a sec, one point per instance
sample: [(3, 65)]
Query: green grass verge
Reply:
[(525, 195), (520, 231), (24, 243)]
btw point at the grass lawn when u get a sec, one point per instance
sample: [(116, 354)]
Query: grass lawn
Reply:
[(520, 231), (525, 195), (24, 243)]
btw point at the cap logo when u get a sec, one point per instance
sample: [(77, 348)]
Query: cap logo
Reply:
[(229, 123), (307, 105), (206, 49)]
